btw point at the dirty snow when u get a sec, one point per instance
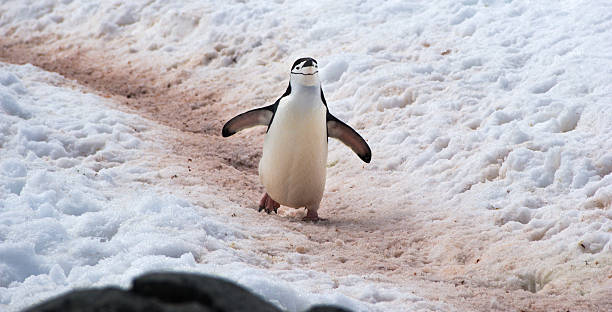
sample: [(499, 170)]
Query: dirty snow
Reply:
[(490, 124), (74, 212)]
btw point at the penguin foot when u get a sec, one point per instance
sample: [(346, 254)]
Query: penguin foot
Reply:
[(312, 216), (268, 204)]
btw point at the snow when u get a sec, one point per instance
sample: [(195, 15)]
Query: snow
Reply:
[(495, 115), (73, 214)]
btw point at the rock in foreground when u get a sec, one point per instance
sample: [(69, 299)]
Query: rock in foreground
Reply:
[(166, 292)]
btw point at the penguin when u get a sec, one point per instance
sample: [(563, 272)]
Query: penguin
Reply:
[(293, 167)]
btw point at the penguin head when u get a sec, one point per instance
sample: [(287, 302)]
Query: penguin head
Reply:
[(305, 71)]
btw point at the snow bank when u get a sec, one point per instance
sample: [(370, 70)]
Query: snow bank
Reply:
[(74, 214), (76, 209), (489, 121)]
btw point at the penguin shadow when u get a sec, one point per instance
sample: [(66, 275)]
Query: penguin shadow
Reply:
[(290, 215), (295, 216)]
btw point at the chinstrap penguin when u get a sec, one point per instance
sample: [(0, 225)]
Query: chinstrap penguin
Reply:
[(293, 164)]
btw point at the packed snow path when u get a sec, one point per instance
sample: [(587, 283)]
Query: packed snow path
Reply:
[(490, 186)]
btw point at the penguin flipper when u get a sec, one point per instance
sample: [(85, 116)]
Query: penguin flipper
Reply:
[(256, 117), (343, 132)]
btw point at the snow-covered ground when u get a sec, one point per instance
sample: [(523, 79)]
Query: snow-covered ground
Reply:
[(490, 124), (75, 212)]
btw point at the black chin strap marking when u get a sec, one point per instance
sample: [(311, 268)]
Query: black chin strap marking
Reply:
[(305, 74)]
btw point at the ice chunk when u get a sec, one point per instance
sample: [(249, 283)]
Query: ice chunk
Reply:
[(57, 275), (463, 15), (127, 17), (543, 86), (7, 78), (13, 167), (9, 105), (334, 70), (17, 262), (594, 242), (35, 133)]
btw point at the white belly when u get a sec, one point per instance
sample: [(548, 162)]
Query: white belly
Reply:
[(292, 167)]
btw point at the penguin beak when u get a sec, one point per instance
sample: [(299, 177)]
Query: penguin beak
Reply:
[(310, 70)]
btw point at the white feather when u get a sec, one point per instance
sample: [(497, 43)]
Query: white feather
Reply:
[(293, 164)]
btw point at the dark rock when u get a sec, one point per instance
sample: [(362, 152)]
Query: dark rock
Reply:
[(327, 308), (166, 292), (104, 299), (218, 294)]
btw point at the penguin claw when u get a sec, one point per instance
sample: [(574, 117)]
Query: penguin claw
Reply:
[(312, 216), (268, 204)]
